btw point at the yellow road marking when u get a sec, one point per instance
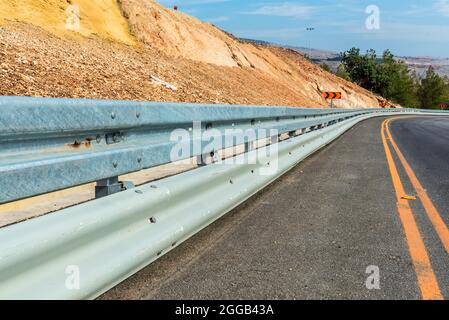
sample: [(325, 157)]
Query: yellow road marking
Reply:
[(433, 214), (427, 280), (412, 198)]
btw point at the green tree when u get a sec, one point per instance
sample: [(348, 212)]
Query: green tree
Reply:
[(432, 90), (325, 67), (386, 76), (361, 69), (395, 81), (342, 73), (307, 57), (446, 90), (392, 79)]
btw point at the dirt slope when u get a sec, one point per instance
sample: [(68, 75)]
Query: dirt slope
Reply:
[(98, 17), (121, 44)]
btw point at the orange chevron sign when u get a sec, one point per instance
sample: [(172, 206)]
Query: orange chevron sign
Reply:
[(332, 95)]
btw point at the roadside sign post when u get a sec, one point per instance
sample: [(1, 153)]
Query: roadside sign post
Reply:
[(332, 96)]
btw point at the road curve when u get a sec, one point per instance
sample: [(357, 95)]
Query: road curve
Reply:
[(324, 229)]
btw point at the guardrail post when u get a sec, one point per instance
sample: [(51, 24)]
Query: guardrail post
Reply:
[(200, 161), (110, 186), (274, 139), (249, 146), (205, 159)]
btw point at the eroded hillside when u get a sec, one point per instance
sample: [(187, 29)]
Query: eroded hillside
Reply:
[(122, 46), (97, 17)]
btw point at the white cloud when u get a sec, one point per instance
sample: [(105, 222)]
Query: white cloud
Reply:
[(443, 6), (285, 9)]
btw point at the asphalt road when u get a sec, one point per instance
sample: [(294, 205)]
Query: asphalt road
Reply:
[(313, 233)]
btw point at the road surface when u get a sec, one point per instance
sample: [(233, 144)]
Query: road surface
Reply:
[(326, 228)]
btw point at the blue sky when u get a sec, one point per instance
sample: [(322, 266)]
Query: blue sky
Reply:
[(407, 27)]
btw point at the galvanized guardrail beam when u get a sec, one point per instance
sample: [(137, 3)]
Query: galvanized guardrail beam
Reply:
[(106, 240), (61, 143), (109, 239)]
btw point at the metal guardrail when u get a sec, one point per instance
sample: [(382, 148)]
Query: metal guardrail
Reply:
[(60, 143), (51, 144)]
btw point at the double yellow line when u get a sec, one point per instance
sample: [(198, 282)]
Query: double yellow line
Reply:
[(427, 280)]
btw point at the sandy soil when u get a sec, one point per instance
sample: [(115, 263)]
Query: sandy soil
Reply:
[(98, 17), (40, 57)]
